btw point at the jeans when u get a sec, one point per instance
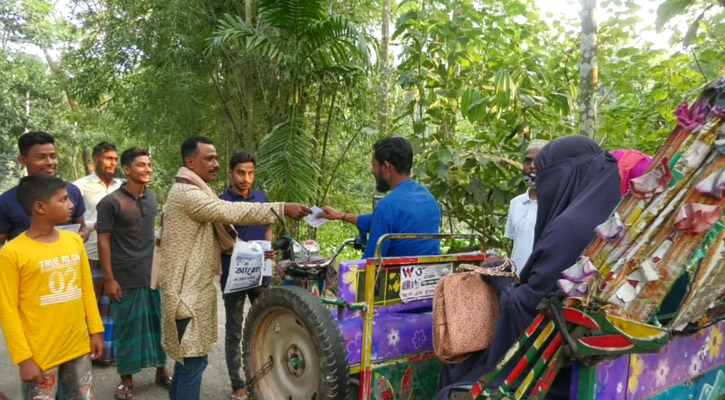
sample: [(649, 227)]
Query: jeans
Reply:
[(234, 307), (186, 383), (73, 377)]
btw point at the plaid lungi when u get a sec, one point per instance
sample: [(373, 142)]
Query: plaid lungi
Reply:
[(104, 309), (137, 330)]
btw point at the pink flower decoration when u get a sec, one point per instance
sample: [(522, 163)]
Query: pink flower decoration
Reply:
[(575, 289), (713, 185), (578, 278), (653, 182), (696, 218), (691, 119), (718, 111), (610, 230), (581, 270)]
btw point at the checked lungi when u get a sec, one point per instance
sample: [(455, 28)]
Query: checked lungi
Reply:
[(137, 330)]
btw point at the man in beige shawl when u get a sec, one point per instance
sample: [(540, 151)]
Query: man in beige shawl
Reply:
[(196, 229)]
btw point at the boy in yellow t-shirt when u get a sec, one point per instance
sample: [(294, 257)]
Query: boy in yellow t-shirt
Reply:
[(48, 308)]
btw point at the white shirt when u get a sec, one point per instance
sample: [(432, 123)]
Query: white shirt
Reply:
[(93, 190), (520, 224)]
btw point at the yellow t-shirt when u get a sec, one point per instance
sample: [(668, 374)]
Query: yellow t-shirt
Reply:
[(47, 305)]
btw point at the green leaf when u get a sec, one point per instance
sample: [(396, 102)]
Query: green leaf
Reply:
[(692, 31), (442, 171), (670, 9), (660, 94)]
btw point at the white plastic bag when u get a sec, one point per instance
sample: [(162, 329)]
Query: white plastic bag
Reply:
[(246, 267), (266, 246)]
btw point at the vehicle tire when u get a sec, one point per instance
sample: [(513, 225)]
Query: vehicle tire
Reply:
[(292, 329)]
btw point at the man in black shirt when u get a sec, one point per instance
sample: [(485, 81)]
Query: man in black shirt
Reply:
[(126, 250)]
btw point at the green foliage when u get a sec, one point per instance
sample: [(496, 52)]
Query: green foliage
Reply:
[(307, 49), (669, 9), (477, 78), (284, 156)]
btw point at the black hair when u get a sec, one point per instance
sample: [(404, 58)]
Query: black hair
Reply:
[(101, 148), (241, 158), (395, 150), (129, 155), (38, 188), (191, 145), (30, 139)]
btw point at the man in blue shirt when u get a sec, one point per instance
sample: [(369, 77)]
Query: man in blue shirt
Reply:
[(38, 156), (241, 172), (409, 208)]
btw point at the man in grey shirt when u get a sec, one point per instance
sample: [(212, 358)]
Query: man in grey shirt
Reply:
[(126, 249)]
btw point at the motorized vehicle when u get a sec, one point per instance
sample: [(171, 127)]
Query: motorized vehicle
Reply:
[(643, 321), (373, 340)]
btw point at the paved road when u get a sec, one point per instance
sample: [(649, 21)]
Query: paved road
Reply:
[(215, 384)]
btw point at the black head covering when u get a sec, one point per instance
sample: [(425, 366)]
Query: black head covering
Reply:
[(577, 183), (572, 174)]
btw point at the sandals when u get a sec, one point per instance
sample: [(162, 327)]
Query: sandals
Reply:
[(164, 381), (123, 392)]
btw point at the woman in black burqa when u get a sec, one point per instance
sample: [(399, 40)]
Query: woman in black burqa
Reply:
[(578, 187)]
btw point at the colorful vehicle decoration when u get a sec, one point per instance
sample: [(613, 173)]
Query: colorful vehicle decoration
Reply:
[(651, 282), (373, 341)]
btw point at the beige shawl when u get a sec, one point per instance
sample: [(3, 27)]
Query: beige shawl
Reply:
[(226, 233)]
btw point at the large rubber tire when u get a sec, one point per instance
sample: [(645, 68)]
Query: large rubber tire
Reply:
[(291, 328)]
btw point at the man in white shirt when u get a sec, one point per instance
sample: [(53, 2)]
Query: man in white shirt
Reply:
[(94, 187), (521, 218)]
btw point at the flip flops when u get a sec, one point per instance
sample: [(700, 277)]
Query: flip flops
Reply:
[(123, 392)]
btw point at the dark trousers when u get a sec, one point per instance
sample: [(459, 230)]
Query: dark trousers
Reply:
[(186, 383), (234, 307)]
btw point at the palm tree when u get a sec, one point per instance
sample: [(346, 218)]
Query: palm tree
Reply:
[(308, 49)]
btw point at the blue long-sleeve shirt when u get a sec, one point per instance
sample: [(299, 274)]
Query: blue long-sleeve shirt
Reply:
[(409, 208)]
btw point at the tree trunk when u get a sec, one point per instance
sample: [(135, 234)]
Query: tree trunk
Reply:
[(249, 135), (588, 71), (318, 118), (73, 104), (384, 72), (87, 161), (330, 116)]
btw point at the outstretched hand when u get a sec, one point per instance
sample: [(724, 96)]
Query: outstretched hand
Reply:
[(330, 213), (296, 210)]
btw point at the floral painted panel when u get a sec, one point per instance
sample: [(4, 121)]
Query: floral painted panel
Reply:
[(611, 379), (414, 380), (677, 364), (709, 386), (394, 335)]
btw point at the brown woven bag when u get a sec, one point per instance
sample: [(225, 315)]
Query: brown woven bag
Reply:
[(465, 311)]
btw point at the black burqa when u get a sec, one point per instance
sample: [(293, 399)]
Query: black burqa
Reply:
[(578, 187)]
